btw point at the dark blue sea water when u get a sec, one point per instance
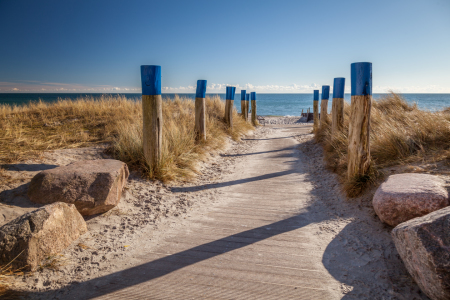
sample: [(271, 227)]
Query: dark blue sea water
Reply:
[(267, 104)]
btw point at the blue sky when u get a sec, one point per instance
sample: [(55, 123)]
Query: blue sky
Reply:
[(264, 46)]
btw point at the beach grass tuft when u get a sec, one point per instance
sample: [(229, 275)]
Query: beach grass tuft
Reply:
[(7, 276), (400, 134), (27, 131), (180, 151)]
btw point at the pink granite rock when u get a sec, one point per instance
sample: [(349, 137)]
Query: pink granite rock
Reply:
[(424, 246), (27, 240), (93, 186), (403, 197)]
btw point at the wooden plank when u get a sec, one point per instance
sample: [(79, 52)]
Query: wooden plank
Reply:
[(324, 105), (152, 114), (359, 127)]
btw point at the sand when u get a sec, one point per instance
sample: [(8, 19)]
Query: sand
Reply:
[(356, 249)]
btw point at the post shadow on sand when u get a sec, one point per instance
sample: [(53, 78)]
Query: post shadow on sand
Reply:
[(278, 138), (163, 266), (239, 181), (247, 154)]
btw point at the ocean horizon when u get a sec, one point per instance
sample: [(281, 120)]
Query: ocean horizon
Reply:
[(267, 104)]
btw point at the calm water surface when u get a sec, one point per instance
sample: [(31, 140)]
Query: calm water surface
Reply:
[(267, 104)]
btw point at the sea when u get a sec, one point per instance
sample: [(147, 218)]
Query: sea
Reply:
[(267, 104)]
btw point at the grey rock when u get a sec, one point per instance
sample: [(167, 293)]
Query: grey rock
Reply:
[(403, 197), (424, 246), (93, 186), (38, 234)]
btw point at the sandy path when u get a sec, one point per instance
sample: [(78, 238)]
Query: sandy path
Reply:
[(277, 229)]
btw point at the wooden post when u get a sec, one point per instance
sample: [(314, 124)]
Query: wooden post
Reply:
[(253, 96), (229, 105), (243, 108), (316, 109), (337, 106), (359, 126), (324, 105), (152, 114), (247, 106), (200, 109)]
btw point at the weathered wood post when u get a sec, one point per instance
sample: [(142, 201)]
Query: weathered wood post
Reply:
[(316, 109), (200, 109), (324, 105), (229, 105), (243, 93), (359, 126), (247, 106), (337, 106), (253, 96), (152, 114)]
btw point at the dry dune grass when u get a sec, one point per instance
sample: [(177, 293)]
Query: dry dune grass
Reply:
[(7, 275), (400, 134), (180, 153), (28, 130)]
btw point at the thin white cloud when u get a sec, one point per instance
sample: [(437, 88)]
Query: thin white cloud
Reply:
[(48, 87), (305, 88), (51, 87)]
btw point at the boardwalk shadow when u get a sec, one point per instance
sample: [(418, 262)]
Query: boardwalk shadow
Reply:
[(163, 266), (229, 183)]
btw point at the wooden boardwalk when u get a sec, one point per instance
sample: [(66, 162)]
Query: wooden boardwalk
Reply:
[(257, 244)]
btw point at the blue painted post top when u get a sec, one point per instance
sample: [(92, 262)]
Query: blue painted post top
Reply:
[(230, 92), (361, 78), (316, 95), (253, 95), (201, 89), (325, 92), (151, 80), (243, 93), (338, 87), (247, 97)]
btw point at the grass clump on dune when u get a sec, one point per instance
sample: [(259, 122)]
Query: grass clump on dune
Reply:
[(180, 151), (400, 134), (27, 131)]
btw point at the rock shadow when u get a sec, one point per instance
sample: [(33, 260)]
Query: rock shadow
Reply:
[(29, 167), (18, 197)]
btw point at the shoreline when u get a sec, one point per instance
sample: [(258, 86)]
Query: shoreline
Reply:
[(271, 103)]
